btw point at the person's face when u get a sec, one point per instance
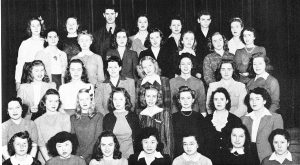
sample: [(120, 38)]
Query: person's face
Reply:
[(113, 69), (121, 39), (142, 23), (280, 144), (21, 146), (238, 137), (248, 37), (150, 144), (204, 21), (186, 100), (38, 72), (72, 25), (64, 149), (52, 38), (107, 146), (185, 66), (151, 97), (148, 67), (220, 101), (218, 42), (259, 65), (188, 40), (84, 101), (155, 39), (76, 71), (256, 101), (176, 26), (226, 71), (85, 42), (14, 110), (52, 102), (236, 29), (119, 100), (35, 27), (110, 16), (190, 145)]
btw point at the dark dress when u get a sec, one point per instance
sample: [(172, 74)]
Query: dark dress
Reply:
[(35, 162), (70, 46), (237, 159), (133, 160)]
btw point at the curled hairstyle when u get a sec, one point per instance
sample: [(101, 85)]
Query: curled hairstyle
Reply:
[(259, 91), (22, 135), (61, 137), (237, 19), (176, 17), (159, 101), (34, 63), (235, 74), (203, 12), (148, 43), (78, 23), (85, 33), (181, 90), (128, 104), (250, 29), (136, 28), (92, 110), (41, 21), (279, 131), (247, 138), (114, 59), (227, 96), (186, 55), (19, 100), (84, 76), (267, 60), (112, 7), (181, 46), (145, 133), (114, 43), (42, 103), (210, 42), (157, 70), (46, 36), (97, 152)]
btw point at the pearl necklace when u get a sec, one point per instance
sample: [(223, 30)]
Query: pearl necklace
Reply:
[(187, 114), (250, 50)]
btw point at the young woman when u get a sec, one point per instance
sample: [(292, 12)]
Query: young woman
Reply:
[(155, 116), (62, 147), (187, 121), (220, 123), (69, 42), (151, 70), (76, 78), (138, 40), (19, 147), (226, 76), (219, 48), (92, 62), (280, 141), (260, 122), (236, 26), (36, 86), (51, 122), (17, 124), (115, 79), (54, 59), (243, 56), (86, 124), (258, 72), (191, 155), (28, 48), (107, 150), (121, 45), (122, 121)]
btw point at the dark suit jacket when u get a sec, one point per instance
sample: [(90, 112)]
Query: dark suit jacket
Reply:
[(202, 49), (102, 41)]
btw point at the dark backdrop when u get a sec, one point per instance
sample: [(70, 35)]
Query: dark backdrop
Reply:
[(274, 20)]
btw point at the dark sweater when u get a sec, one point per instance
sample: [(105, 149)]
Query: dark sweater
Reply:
[(231, 159), (70, 46), (133, 160)]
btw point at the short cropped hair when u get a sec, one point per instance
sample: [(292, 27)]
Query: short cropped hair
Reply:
[(145, 133), (278, 131)]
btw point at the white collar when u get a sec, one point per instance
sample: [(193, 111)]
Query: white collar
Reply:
[(264, 112), (27, 161), (264, 76), (287, 156), (151, 111), (193, 159), (219, 119), (240, 151), (143, 155), (151, 79), (191, 51)]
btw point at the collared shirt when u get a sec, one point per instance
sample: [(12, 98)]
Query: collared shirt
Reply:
[(240, 151), (176, 38), (148, 161), (287, 156), (256, 121), (219, 119), (151, 79), (264, 76)]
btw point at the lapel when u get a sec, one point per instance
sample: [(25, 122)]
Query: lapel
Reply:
[(265, 120), (152, 54), (126, 52), (122, 83), (248, 123)]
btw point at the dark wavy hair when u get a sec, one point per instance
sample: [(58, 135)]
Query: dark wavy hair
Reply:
[(46, 35), (247, 138), (181, 90), (237, 19), (92, 110), (34, 63), (97, 152), (61, 137), (267, 60), (114, 59), (145, 133), (186, 55), (180, 46), (19, 100), (112, 7), (250, 29), (235, 74), (159, 101), (42, 104), (259, 91), (279, 131), (136, 29), (84, 76), (22, 135), (153, 30), (203, 12), (128, 104), (28, 29), (176, 17), (227, 96), (114, 43), (211, 46)]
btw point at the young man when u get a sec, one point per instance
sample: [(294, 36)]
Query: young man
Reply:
[(172, 42)]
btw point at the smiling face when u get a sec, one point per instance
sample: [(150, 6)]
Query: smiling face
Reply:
[(72, 25), (176, 26), (85, 101), (84, 41), (148, 67), (14, 110), (220, 101), (151, 97), (38, 72), (110, 16), (52, 102), (218, 42), (21, 146), (113, 69), (256, 102), (248, 37), (186, 66), (52, 38), (155, 39), (190, 145), (280, 144), (238, 138), (188, 40), (186, 100), (76, 71), (35, 27), (142, 23), (236, 29), (150, 144), (119, 100), (121, 39), (204, 21), (226, 71), (64, 149), (259, 65), (107, 146)]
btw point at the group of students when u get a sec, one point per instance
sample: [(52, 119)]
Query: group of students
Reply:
[(138, 100)]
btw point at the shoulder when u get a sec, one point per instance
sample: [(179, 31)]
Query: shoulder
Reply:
[(164, 79), (109, 116), (77, 159), (129, 80), (239, 84), (6, 125), (233, 117), (266, 160), (276, 116), (24, 86), (214, 85)]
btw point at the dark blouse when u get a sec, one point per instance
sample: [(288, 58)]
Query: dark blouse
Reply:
[(133, 160), (70, 46), (237, 159)]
